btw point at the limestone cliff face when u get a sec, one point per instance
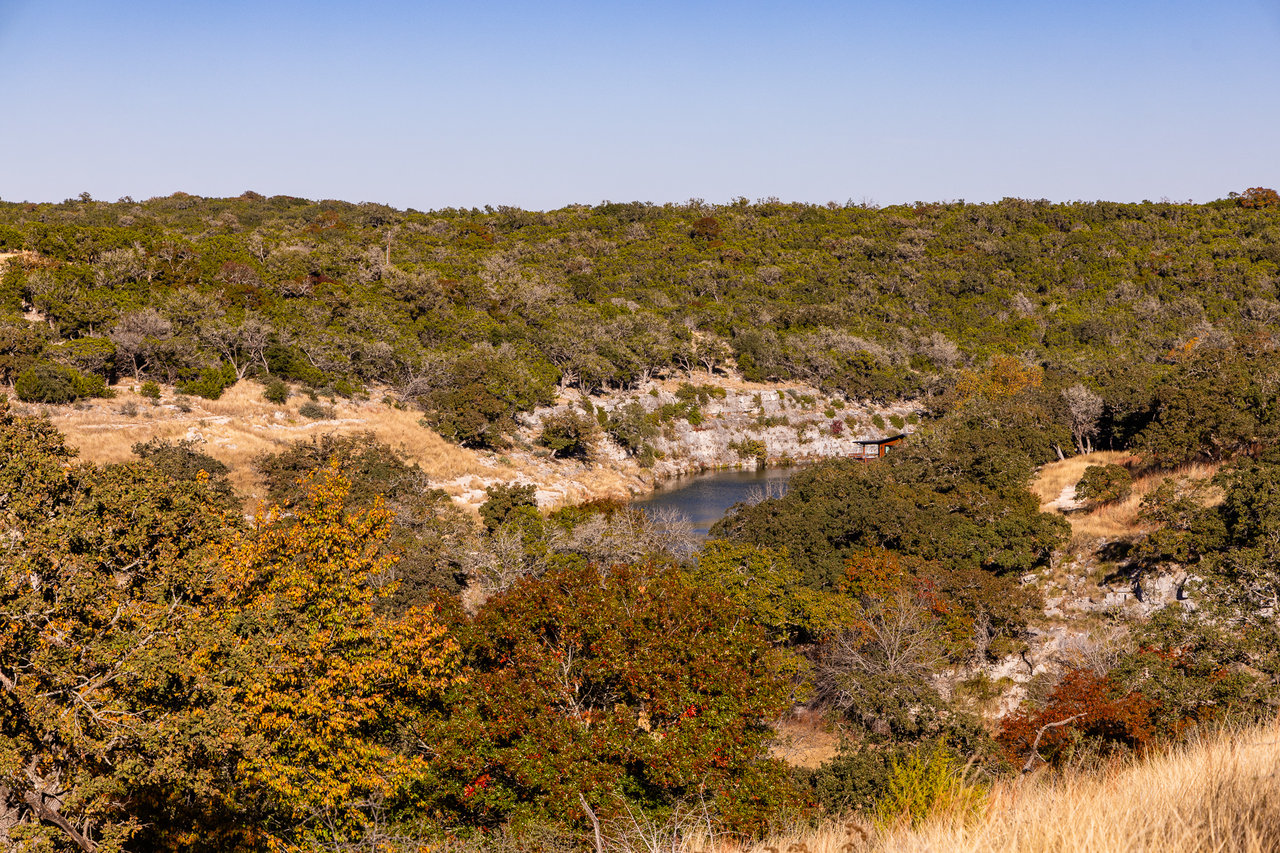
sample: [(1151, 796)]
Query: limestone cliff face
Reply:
[(727, 424), (793, 423)]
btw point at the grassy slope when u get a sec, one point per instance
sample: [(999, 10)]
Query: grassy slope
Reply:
[(1221, 793), (241, 425), (1055, 483)]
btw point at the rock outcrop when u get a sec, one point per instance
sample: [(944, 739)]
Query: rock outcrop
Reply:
[(737, 422)]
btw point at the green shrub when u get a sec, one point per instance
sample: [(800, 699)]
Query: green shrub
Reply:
[(632, 427), (1103, 484), (750, 448), (150, 390), (770, 591), (928, 781), (702, 394), (88, 355), (749, 369), (92, 385), (671, 412), (277, 391), (182, 461), (877, 421), (290, 363), (20, 345), (315, 411), (476, 400), (344, 388), (46, 382), (505, 501), (854, 780), (569, 434), (897, 421), (211, 382)]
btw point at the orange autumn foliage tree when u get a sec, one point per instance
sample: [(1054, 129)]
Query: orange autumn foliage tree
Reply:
[(1004, 376), (1084, 710), (327, 681)]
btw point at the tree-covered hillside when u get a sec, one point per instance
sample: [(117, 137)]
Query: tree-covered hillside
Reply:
[(478, 314), (363, 667)]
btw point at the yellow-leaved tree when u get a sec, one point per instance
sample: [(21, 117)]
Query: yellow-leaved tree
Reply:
[(323, 680)]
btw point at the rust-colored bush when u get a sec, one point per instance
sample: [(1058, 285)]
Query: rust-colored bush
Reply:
[(1084, 706)]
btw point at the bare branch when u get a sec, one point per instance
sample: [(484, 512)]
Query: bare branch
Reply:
[(1035, 745)]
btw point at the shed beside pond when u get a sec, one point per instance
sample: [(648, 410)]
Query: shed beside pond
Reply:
[(874, 448)]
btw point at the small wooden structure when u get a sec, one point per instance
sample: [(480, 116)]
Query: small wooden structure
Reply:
[(874, 448)]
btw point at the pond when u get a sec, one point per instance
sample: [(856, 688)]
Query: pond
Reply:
[(703, 499)]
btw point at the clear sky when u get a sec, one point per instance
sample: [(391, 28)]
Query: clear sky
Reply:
[(548, 103)]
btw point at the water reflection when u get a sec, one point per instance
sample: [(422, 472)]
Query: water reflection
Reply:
[(703, 499)]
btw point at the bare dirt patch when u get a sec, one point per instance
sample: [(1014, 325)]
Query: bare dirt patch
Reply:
[(805, 739)]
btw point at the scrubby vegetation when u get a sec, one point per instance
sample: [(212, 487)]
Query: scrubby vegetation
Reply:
[(1216, 792), (362, 666), (1104, 484), (476, 315)]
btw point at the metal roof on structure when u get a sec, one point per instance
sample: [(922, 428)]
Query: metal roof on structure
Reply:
[(887, 440)]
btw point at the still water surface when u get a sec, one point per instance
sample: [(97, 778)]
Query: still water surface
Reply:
[(704, 498)]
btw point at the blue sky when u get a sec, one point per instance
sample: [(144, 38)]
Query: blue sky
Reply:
[(544, 104)]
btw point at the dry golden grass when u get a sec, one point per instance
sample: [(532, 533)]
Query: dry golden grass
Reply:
[(1057, 480), (805, 740), (1054, 477), (1221, 794), (1121, 518), (242, 425)]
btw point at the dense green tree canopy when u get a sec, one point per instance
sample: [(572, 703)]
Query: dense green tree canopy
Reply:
[(476, 315)]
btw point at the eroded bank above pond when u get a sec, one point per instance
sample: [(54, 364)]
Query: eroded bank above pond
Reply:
[(668, 429)]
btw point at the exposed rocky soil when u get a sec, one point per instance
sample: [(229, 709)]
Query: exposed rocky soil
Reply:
[(795, 423), (1092, 591)]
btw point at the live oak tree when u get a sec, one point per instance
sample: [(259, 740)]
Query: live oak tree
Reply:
[(170, 682), (1084, 408), (102, 571)]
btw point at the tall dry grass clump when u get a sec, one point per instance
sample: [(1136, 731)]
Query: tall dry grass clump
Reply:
[(1218, 794)]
